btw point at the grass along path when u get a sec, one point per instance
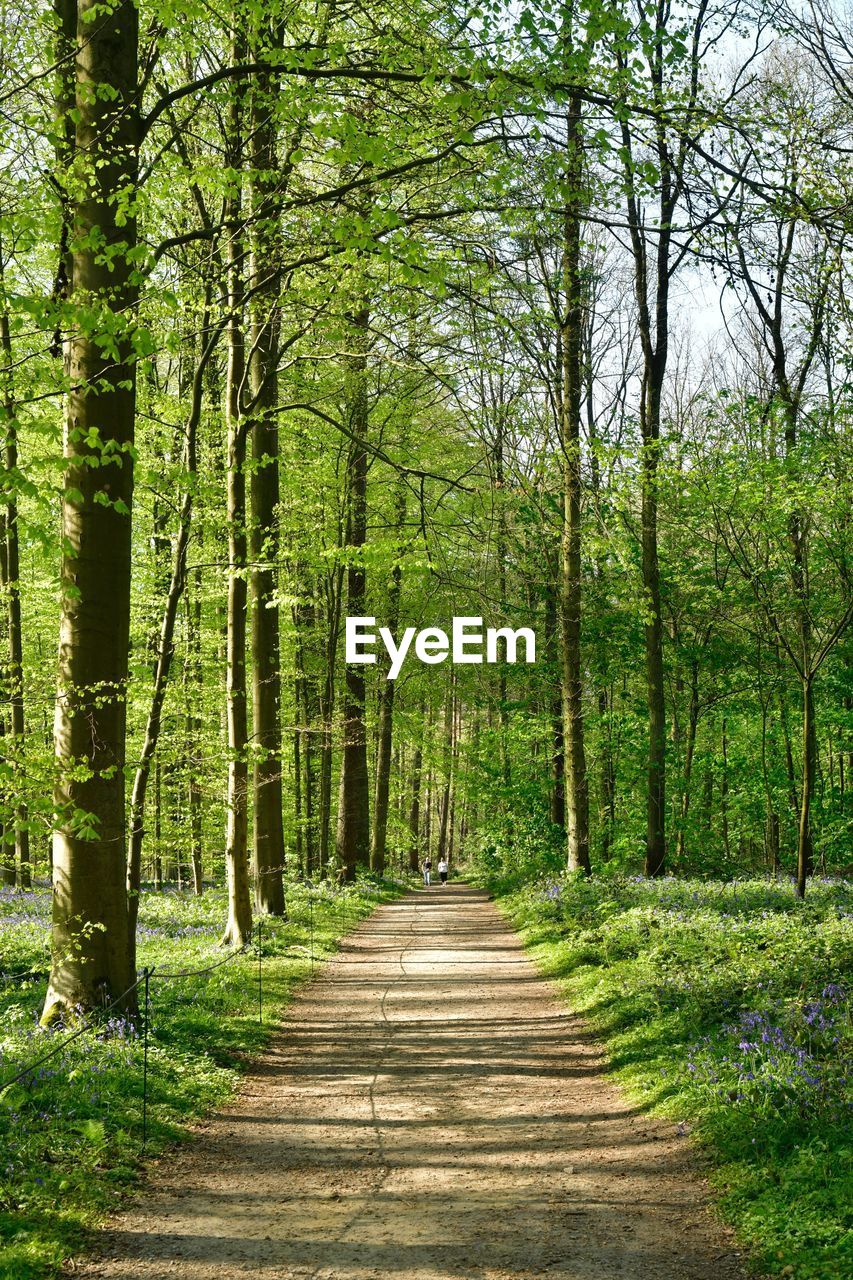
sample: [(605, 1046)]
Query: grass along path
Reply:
[(70, 1135), (428, 1111), (726, 1007)]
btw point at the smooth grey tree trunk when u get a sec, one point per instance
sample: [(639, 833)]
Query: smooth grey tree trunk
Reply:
[(12, 597), (268, 845), (415, 811), (93, 957), (353, 833), (570, 595), (238, 927), (11, 581), (386, 703)]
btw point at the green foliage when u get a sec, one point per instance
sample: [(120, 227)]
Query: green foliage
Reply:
[(726, 1006)]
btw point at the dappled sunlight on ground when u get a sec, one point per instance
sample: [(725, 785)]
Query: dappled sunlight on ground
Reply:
[(429, 1110)]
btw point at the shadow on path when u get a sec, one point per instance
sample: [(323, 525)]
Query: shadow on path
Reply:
[(428, 1111)]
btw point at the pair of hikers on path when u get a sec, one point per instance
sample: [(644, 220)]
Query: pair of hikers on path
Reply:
[(443, 868)]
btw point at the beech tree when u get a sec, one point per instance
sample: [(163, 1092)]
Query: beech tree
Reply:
[(353, 833), (93, 955)]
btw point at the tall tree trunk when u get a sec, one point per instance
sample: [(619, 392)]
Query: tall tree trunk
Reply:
[(771, 825), (415, 810), (11, 583), (772, 843), (558, 763), (194, 731), (689, 751), (426, 844), (608, 775), (797, 533), (386, 701), (93, 956), (474, 755), (652, 280), (577, 789), (325, 793), (458, 722), (398, 771), (158, 829), (607, 766), (165, 642), (451, 827), (7, 851), (805, 849), (263, 530), (447, 768), (383, 774), (845, 767), (353, 835), (308, 715), (310, 783), (238, 927), (297, 790), (501, 558), (724, 787), (656, 802), (7, 848), (333, 593), (65, 41)]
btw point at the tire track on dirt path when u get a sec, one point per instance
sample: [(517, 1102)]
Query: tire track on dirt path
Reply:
[(428, 1111)]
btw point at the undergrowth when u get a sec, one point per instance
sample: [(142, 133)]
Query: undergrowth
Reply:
[(725, 1006), (71, 1130)]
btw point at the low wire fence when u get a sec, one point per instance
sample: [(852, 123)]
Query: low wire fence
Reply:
[(145, 984)]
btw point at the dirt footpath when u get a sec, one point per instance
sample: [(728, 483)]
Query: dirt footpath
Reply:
[(427, 1111)]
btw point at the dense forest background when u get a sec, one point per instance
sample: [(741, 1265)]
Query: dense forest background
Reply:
[(537, 312)]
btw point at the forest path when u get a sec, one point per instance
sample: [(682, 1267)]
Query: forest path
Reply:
[(429, 1110)]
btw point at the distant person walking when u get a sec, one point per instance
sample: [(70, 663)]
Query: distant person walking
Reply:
[(427, 868), (443, 869)]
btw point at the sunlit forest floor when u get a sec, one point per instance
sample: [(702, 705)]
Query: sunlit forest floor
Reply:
[(71, 1130), (727, 1007)]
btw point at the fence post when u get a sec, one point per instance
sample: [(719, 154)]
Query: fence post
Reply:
[(311, 926)]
